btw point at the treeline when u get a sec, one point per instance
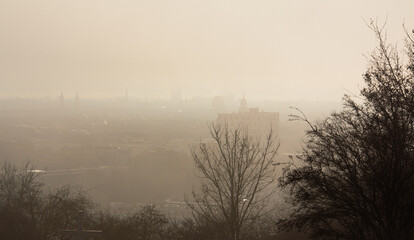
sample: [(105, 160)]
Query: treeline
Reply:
[(29, 210)]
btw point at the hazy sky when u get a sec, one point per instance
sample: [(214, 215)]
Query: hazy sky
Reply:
[(279, 49)]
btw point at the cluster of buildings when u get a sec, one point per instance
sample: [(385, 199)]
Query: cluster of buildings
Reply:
[(256, 123)]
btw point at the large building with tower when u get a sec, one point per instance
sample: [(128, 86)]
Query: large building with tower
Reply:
[(257, 123)]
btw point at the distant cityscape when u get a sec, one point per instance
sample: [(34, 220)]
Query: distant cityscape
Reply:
[(107, 146)]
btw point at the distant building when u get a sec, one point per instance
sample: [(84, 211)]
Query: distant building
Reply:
[(251, 119), (243, 105)]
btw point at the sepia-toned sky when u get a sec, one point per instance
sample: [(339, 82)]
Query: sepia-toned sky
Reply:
[(266, 49)]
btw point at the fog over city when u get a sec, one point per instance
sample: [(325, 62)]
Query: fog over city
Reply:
[(206, 119), (269, 50)]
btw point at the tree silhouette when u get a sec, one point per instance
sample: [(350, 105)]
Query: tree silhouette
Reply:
[(236, 171), (356, 180), (27, 211)]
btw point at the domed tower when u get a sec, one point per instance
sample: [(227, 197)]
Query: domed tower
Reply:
[(243, 105)]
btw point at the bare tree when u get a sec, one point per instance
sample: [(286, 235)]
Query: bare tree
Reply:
[(27, 211), (20, 197), (357, 177), (236, 171), (146, 224)]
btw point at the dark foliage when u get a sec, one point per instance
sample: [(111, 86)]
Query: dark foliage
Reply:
[(27, 211), (356, 180), (146, 224)]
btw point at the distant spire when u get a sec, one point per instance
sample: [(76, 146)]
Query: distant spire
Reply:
[(61, 100), (77, 101)]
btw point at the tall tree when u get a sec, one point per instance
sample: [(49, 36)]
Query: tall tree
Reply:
[(356, 180), (235, 171)]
